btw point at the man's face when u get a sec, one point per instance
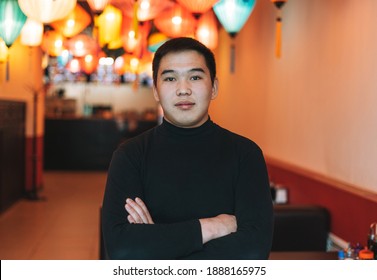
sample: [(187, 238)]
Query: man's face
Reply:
[(184, 88)]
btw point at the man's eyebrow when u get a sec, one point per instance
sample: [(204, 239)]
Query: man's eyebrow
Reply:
[(167, 71)]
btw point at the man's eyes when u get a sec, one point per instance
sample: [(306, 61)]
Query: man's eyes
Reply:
[(192, 78)]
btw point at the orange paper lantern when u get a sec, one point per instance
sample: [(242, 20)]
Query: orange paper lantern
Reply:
[(73, 23), (53, 43), (207, 31), (146, 9), (197, 6), (176, 22)]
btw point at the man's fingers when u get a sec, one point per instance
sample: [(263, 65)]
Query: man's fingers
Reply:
[(138, 211), (145, 209), (133, 214)]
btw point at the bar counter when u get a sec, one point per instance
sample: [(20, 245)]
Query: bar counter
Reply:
[(86, 143)]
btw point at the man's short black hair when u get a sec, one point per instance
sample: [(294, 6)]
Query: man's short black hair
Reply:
[(184, 44)]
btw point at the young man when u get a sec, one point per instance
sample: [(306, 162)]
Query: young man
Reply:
[(187, 189)]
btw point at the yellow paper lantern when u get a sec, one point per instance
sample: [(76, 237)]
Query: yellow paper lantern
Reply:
[(73, 23), (109, 25), (32, 33), (47, 11)]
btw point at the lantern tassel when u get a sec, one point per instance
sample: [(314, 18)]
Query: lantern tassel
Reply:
[(278, 37), (7, 69)]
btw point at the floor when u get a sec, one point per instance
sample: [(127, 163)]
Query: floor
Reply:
[(62, 224)]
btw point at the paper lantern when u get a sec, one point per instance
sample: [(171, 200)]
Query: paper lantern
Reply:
[(74, 65), (197, 6), (176, 22), (278, 4), (134, 42), (97, 6), (89, 63), (81, 45), (73, 23), (64, 58), (12, 19), (233, 14), (109, 25), (53, 43), (32, 33), (155, 40), (146, 9), (47, 11), (207, 31)]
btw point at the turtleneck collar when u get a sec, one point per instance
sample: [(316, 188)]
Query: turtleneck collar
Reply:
[(167, 127)]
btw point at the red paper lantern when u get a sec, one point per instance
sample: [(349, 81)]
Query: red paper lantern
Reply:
[(176, 22), (81, 45)]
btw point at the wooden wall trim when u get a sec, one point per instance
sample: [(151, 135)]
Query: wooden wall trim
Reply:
[(353, 189)]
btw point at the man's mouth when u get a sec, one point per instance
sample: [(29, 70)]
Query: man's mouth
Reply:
[(184, 105)]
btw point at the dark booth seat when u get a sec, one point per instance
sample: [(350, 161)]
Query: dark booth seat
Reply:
[(300, 228)]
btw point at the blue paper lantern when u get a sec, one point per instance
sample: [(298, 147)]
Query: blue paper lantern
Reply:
[(12, 19), (233, 14)]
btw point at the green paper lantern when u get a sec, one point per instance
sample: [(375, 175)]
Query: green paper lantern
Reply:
[(12, 19)]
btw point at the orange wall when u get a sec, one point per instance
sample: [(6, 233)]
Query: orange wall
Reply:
[(315, 107)]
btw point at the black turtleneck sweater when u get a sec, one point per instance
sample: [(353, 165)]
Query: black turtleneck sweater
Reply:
[(183, 175)]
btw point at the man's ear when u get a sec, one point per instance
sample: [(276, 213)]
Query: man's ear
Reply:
[(155, 93), (215, 88)]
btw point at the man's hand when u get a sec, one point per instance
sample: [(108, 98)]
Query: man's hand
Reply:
[(138, 212), (218, 226)]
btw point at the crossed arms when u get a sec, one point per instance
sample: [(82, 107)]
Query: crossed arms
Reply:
[(211, 228)]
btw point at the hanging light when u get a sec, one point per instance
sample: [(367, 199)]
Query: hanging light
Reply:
[(109, 25), (278, 4), (197, 7), (73, 23), (12, 19), (47, 11), (176, 22), (155, 40), (81, 45), (74, 65), (207, 31), (97, 6), (89, 63), (32, 33), (53, 43), (232, 15), (132, 43), (146, 9)]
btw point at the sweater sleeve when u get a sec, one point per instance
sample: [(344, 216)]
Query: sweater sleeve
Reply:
[(140, 241), (254, 213)]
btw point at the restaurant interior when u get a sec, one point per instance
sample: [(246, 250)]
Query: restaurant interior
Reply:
[(297, 77)]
